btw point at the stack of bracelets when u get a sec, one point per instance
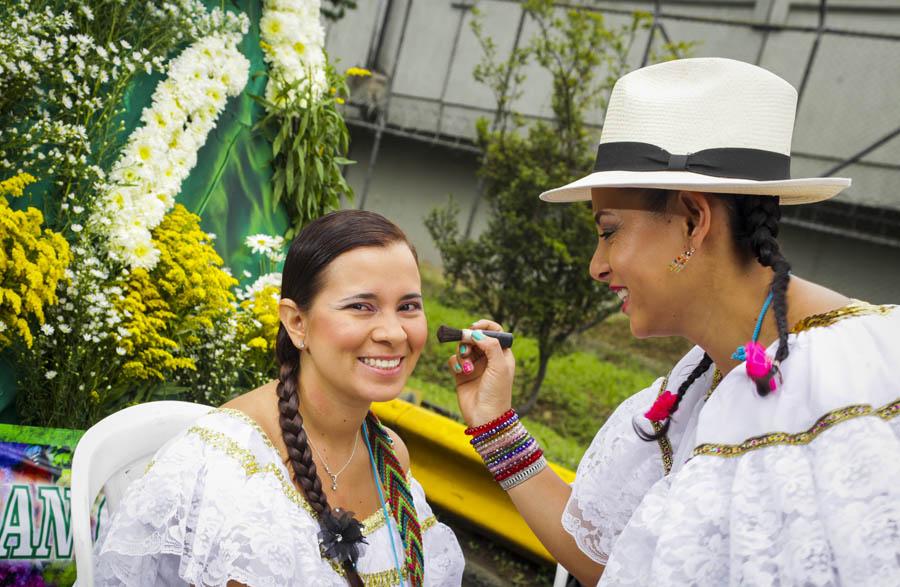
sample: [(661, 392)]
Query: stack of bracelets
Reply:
[(511, 454)]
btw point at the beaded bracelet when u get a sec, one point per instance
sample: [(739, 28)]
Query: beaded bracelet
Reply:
[(493, 432), (524, 474), (511, 454), (478, 430), (498, 442)]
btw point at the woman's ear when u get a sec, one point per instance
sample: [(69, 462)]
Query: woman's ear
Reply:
[(294, 321), (697, 211)]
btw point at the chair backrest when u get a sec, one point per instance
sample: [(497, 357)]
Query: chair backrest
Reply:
[(111, 454)]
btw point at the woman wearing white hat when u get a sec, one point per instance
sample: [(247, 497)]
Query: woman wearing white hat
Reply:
[(770, 453)]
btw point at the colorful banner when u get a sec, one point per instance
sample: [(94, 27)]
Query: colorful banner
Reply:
[(35, 533)]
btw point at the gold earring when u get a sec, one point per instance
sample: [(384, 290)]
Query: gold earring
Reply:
[(681, 260)]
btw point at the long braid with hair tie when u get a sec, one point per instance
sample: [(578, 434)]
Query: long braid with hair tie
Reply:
[(755, 227), (759, 232), (304, 468)]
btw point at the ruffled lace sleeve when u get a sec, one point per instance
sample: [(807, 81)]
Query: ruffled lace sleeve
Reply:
[(210, 509), (444, 563), (612, 478), (799, 487)]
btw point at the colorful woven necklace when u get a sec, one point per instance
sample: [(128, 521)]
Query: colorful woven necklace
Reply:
[(399, 497)]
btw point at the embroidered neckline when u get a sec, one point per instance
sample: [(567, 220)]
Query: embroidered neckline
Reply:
[(717, 379), (370, 524), (853, 309), (665, 447), (251, 466), (827, 421)]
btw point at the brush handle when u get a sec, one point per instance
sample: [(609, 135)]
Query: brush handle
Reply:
[(505, 338)]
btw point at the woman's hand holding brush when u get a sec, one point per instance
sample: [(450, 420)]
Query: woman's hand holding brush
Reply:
[(484, 368)]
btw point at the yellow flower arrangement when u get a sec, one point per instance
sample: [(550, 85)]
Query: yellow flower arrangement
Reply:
[(32, 263), (166, 309), (262, 306), (358, 72), (257, 328), (190, 274), (15, 186), (147, 348)]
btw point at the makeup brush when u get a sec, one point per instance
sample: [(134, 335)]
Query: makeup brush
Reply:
[(448, 334)]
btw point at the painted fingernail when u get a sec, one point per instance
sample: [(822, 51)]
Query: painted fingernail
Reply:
[(467, 367), (457, 367), (462, 349), (477, 335)]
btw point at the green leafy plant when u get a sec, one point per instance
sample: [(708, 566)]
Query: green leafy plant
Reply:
[(337, 9), (528, 270), (309, 143)]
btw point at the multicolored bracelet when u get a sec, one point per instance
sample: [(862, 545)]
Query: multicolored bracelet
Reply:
[(511, 454)]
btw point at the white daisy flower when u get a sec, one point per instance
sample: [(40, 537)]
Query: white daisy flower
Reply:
[(260, 244)]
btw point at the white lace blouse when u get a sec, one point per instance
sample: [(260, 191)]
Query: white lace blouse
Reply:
[(801, 487), (216, 504)]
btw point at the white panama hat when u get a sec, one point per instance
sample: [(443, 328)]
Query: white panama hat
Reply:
[(709, 125)]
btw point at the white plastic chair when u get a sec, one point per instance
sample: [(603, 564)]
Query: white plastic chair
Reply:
[(562, 576), (112, 453)]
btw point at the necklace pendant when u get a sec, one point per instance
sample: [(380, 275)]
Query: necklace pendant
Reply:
[(333, 482)]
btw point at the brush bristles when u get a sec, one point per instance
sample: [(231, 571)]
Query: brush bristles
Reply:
[(448, 334)]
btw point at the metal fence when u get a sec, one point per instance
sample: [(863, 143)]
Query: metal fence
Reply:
[(844, 59)]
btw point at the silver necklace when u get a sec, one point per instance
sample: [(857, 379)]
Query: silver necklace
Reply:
[(334, 476)]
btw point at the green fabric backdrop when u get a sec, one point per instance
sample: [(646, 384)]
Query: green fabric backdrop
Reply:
[(230, 188)]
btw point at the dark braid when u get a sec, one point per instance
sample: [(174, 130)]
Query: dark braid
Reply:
[(294, 435), (754, 222), (754, 226), (291, 421), (699, 370), (318, 244)]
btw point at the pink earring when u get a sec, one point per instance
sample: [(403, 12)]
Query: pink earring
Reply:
[(681, 260)]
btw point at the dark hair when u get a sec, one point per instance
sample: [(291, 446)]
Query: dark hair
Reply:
[(314, 249), (754, 227)]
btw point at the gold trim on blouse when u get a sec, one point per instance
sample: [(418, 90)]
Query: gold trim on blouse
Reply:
[(827, 421), (665, 447), (221, 441), (716, 380), (851, 310), (370, 524)]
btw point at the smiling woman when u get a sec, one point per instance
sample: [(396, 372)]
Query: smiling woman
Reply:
[(364, 330), (238, 499)]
